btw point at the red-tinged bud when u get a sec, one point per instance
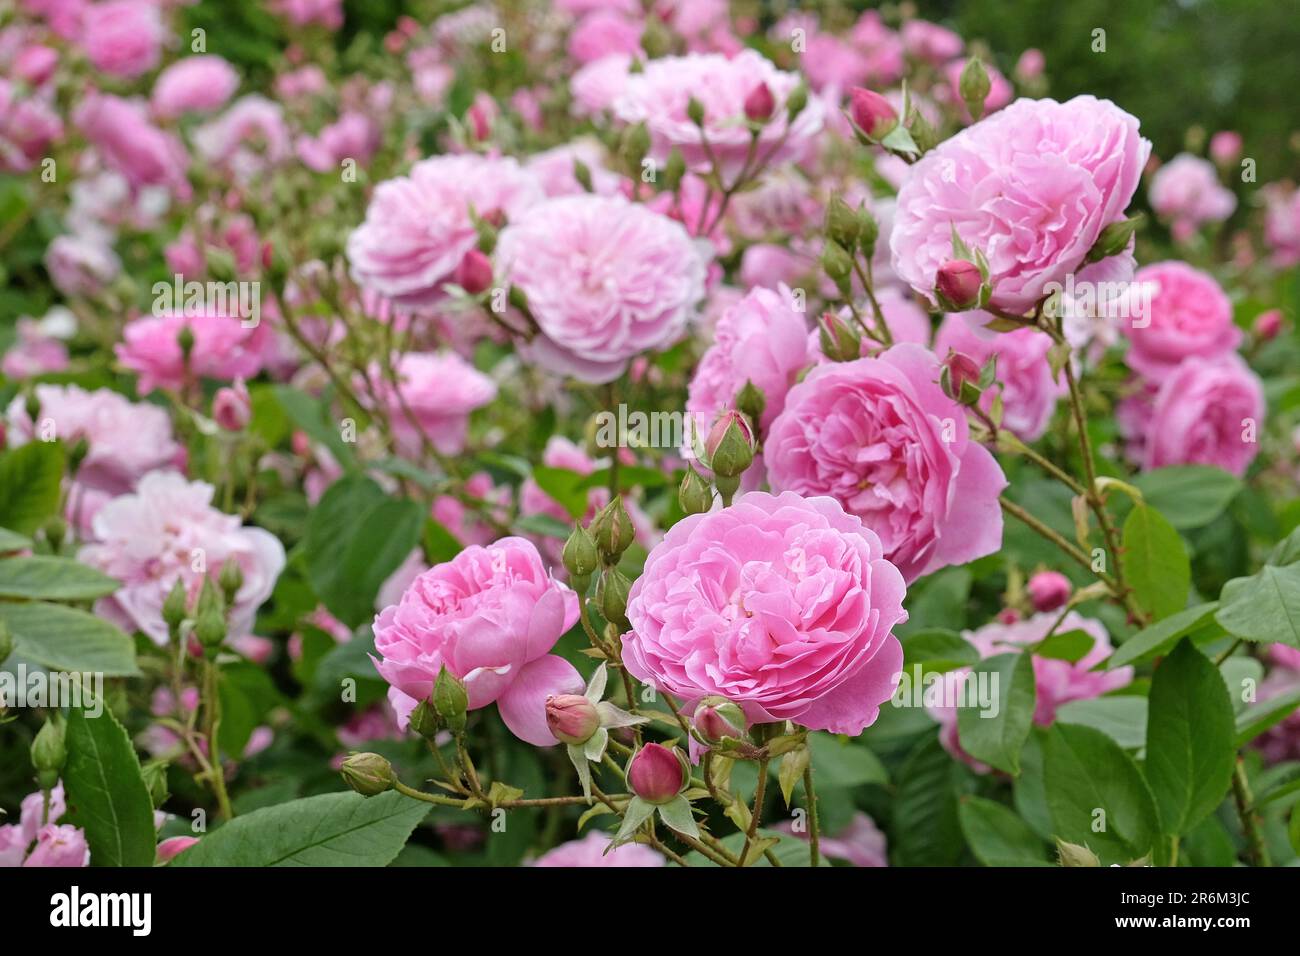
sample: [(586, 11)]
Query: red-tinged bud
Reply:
[(871, 112), (958, 282), (730, 446), (716, 718), (478, 119), (840, 342), (172, 847), (959, 377), (760, 104), (1008, 615), (657, 773), (1049, 590), (232, 407), (1268, 325), (571, 718), (474, 274)]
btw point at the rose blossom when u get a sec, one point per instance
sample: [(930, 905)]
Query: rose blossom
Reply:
[(783, 605), (121, 133), (590, 851), (353, 136), (490, 616), (327, 13), (1028, 391), (81, 264), (435, 394), (1282, 225), (418, 227), (860, 843), (660, 93), (930, 42), (155, 536), (879, 435), (605, 280), (1281, 742), (1031, 186), (602, 33), (224, 349), (246, 138), (1186, 190), (196, 84), (27, 127), (1190, 316), (37, 348), (1204, 412), (122, 37)]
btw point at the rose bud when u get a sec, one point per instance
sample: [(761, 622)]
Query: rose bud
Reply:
[(760, 104), (717, 717), (871, 112), (730, 444), (959, 377), (368, 774), (172, 847), (840, 342), (958, 285), (474, 274), (1225, 147), (1049, 590), (35, 64), (694, 495), (579, 555), (1268, 325), (478, 119), (232, 408), (1008, 615), (657, 773), (612, 530), (571, 718)]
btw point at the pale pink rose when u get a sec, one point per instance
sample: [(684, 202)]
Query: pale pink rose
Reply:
[(196, 84), (860, 843), (59, 845), (27, 128), (604, 279), (930, 42), (1204, 412), (783, 604), (418, 227), (81, 264), (122, 37), (301, 13), (783, 202), (767, 265), (883, 48), (1186, 191), (1032, 186), (435, 394), (13, 847), (1190, 316), (35, 351), (590, 851), (121, 133), (1026, 385), (596, 86), (1000, 89), (603, 33), (833, 63), (305, 81), (250, 136), (490, 616), (554, 169), (1030, 65), (1282, 225), (1225, 147), (224, 349), (33, 814), (761, 339), (353, 136), (879, 435), (658, 96), (167, 530)]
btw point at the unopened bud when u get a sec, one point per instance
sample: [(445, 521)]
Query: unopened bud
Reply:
[(1114, 239), (612, 530), (959, 377), (230, 579), (730, 446), (838, 265), (716, 718), (210, 629), (580, 556), (450, 700), (760, 104), (611, 595), (657, 773), (49, 752), (751, 401), (582, 173), (232, 407), (957, 285), (694, 495), (54, 529), (974, 86), (424, 720), (1072, 854), (571, 718), (842, 223), (695, 111), (796, 101), (839, 341), (175, 607), (1049, 590), (871, 112), (185, 339), (368, 774), (474, 274), (1268, 325), (674, 169)]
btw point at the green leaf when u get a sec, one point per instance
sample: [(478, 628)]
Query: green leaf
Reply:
[(312, 416), (333, 829), (839, 762), (937, 651), (565, 486), (1155, 562), (30, 479), (107, 796), (1190, 496), (43, 577), (543, 525), (926, 829), (1264, 606), (1069, 646), (1121, 717), (1189, 751), (1159, 637), (997, 836), (247, 695), (439, 544), (996, 739), (356, 537), (1255, 720), (12, 541), (67, 639), (1096, 794)]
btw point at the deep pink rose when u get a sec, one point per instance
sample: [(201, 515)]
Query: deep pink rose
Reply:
[(590, 851), (167, 530), (27, 127), (1032, 186), (1190, 316), (224, 349), (658, 96), (418, 227), (122, 37), (121, 133), (196, 84), (879, 435), (1028, 391), (605, 280), (435, 394), (1204, 412), (1186, 191), (490, 616), (782, 604)]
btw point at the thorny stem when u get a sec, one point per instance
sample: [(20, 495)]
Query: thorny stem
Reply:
[(1249, 820)]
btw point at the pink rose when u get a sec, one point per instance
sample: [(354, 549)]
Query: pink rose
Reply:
[(554, 169), (81, 264), (658, 96), (1031, 186), (353, 136), (860, 843), (301, 13), (196, 84), (35, 64), (597, 86), (59, 845), (782, 604), (1027, 388), (1204, 412), (490, 616), (167, 530), (879, 435), (122, 37), (602, 33), (418, 227), (605, 280), (930, 42), (590, 851), (27, 127), (1281, 742), (1282, 225), (1186, 191), (1190, 316), (224, 349), (247, 138), (125, 139), (435, 394), (36, 350)]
